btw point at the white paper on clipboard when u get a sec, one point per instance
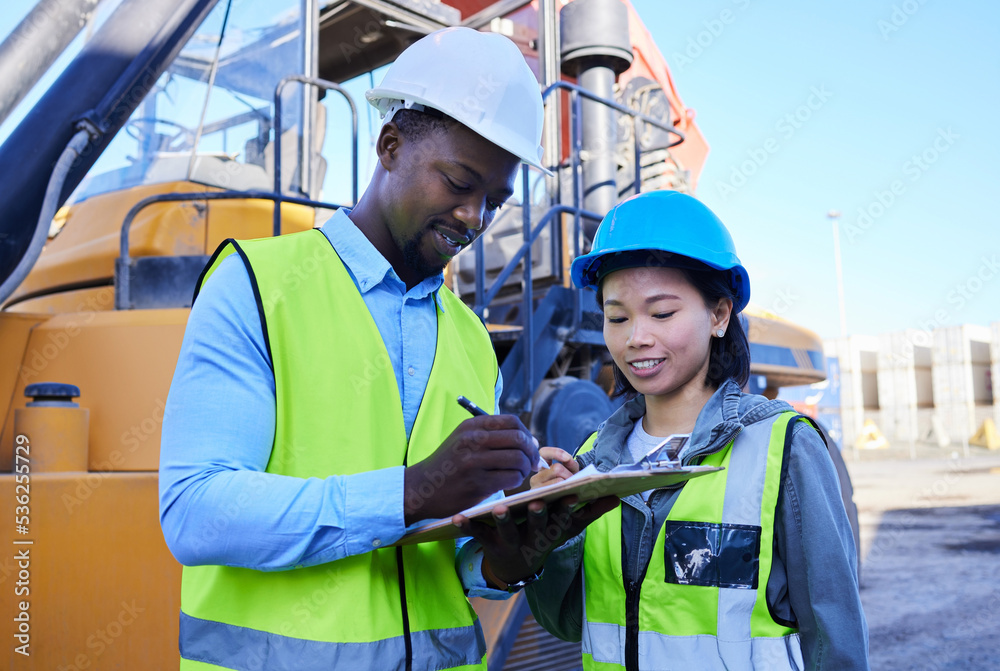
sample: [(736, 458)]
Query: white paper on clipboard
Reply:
[(588, 484)]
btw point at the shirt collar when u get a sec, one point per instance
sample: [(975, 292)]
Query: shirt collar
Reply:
[(367, 266), (717, 423)]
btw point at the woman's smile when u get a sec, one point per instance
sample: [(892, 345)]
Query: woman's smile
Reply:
[(646, 367)]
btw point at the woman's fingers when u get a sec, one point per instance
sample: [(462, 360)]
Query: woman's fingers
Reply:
[(549, 476), (555, 455), (562, 466)]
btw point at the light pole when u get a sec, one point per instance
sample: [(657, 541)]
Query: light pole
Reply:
[(857, 412), (834, 216)]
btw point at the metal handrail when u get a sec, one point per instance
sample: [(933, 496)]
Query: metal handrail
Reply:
[(524, 250), (615, 105), (328, 86), (123, 289), (530, 233), (484, 297)]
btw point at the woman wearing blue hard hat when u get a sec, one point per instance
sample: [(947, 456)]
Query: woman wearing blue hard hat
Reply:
[(750, 567)]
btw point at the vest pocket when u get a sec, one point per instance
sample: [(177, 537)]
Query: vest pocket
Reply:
[(711, 555)]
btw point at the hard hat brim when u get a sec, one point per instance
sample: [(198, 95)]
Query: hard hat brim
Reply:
[(381, 98), (588, 270)]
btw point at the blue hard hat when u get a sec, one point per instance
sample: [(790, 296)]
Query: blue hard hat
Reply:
[(670, 229)]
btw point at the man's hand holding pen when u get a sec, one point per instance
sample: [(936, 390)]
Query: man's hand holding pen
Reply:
[(483, 455)]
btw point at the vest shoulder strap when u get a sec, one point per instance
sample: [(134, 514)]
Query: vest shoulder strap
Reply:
[(588, 444), (468, 322), (229, 246), (225, 249)]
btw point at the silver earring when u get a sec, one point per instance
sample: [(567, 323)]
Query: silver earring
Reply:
[(720, 333)]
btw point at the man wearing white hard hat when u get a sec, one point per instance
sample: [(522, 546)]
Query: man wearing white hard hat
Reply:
[(311, 422)]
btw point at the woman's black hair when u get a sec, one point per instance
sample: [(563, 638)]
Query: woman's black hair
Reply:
[(730, 354)]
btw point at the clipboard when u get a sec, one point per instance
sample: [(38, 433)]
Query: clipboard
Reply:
[(588, 484)]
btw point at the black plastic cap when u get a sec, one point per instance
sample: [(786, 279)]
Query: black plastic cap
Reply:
[(52, 391)]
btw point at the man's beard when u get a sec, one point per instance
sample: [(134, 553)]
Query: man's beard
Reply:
[(416, 261)]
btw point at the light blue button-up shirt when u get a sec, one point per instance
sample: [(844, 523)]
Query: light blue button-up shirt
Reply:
[(217, 505)]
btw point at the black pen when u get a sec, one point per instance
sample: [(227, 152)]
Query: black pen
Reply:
[(476, 411), (473, 409)]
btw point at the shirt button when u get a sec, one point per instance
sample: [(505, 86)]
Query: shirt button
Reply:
[(411, 371), (377, 542)]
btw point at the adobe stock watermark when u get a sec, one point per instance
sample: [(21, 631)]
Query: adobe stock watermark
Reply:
[(891, 535), (44, 353), (547, 539), (913, 169), (960, 295), (780, 305), (554, 534), (900, 15), (253, 487), (785, 127), (132, 439), (965, 291), (432, 483), (319, 599), (105, 637), (362, 38), (302, 271), (704, 39)]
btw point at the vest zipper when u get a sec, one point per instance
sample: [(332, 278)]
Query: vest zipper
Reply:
[(632, 593), (632, 590), (407, 642)]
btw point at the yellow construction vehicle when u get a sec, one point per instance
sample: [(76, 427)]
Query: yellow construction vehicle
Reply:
[(178, 125)]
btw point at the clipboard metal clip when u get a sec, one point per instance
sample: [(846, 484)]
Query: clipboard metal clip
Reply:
[(664, 455), (659, 456)]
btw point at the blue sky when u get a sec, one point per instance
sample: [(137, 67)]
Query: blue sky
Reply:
[(896, 80), (882, 110)]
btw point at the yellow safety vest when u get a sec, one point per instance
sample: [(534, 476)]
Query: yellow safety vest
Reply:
[(702, 603), (339, 413)]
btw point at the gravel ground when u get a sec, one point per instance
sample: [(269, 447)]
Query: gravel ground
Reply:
[(930, 542)]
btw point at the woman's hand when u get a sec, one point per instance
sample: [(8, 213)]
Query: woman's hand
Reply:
[(563, 465)]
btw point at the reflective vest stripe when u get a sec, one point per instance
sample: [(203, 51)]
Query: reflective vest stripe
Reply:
[(762, 621), (704, 652), (743, 500), (245, 649)]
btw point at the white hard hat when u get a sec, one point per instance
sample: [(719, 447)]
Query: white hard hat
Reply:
[(479, 79)]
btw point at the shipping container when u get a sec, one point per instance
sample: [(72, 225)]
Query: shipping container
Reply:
[(994, 381), (905, 349), (900, 424), (959, 421), (982, 384), (897, 387), (924, 381), (925, 426), (961, 344), (953, 384)]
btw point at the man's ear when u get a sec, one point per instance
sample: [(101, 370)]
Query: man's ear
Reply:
[(388, 144)]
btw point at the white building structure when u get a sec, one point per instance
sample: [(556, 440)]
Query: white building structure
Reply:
[(919, 385)]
